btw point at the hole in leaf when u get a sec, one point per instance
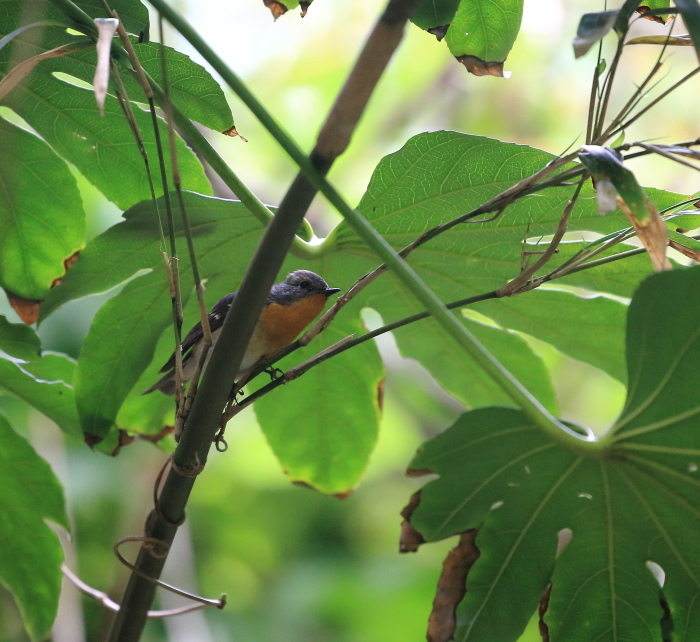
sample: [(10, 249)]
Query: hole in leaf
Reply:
[(71, 80), (564, 537), (658, 573), (585, 495), (692, 467), (496, 505)]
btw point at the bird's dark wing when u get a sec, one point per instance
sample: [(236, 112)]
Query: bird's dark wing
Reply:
[(216, 320)]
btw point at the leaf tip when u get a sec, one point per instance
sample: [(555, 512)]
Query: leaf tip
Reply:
[(26, 309), (276, 8), (480, 67)]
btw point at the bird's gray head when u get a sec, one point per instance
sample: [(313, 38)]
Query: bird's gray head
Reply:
[(299, 285)]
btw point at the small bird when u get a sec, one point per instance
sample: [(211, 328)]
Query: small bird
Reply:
[(289, 308)]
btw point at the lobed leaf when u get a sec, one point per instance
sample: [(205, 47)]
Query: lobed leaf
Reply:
[(635, 505)]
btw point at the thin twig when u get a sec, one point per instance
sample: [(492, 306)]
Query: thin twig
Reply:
[(177, 183), (658, 99), (522, 281), (607, 89), (102, 598), (171, 261), (667, 154)]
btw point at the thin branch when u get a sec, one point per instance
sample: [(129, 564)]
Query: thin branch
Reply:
[(522, 281), (171, 260), (658, 99), (177, 183), (595, 84), (102, 598), (659, 149), (607, 90), (336, 349)]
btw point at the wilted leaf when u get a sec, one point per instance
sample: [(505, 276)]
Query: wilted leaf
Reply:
[(105, 30), (480, 67), (451, 588), (591, 28), (280, 7), (651, 5), (680, 40), (605, 165), (652, 232), (20, 71), (684, 244)]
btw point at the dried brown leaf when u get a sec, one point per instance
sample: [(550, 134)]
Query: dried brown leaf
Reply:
[(652, 232), (26, 309), (480, 67), (452, 587), (410, 539), (685, 251), (67, 264), (277, 8), (233, 132), (643, 9), (20, 71), (440, 31)]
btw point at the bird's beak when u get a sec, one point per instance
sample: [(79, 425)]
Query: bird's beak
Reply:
[(329, 291)]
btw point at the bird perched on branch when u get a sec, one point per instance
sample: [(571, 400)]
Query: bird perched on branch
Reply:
[(289, 308)]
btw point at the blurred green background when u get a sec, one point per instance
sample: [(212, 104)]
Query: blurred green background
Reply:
[(297, 565)]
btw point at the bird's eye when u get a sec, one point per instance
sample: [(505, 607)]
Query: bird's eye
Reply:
[(305, 284)]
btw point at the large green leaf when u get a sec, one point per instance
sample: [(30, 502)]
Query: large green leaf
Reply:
[(30, 564), (484, 31), (192, 88), (459, 374), (435, 13), (431, 180), (132, 13), (66, 116), (45, 382), (439, 176), (324, 429), (41, 214), (123, 337), (103, 149), (588, 329), (479, 33), (636, 504)]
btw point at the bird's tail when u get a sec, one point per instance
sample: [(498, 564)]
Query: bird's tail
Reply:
[(165, 384)]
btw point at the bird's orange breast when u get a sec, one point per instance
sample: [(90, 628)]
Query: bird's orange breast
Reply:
[(279, 325)]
